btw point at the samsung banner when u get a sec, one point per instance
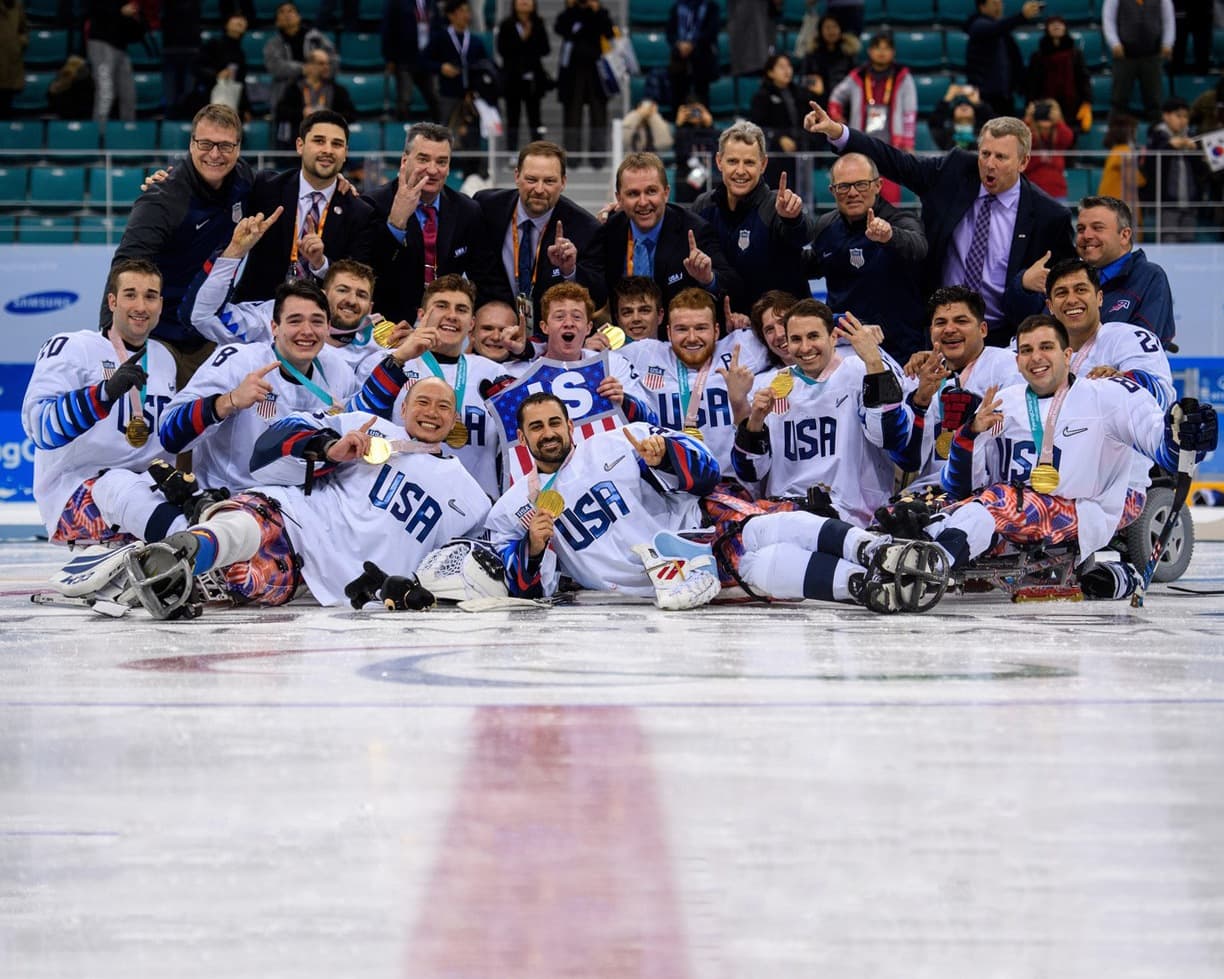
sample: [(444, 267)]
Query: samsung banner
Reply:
[(48, 289)]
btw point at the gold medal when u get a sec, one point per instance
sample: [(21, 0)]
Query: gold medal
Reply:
[(1044, 479), (382, 333), (458, 436), (378, 452), (693, 432), (336, 409), (943, 444), (782, 384), (615, 335), (550, 501), (137, 432)]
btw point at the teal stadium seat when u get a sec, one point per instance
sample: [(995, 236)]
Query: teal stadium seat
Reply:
[(722, 97), (364, 138), (148, 91), (1082, 183), (131, 137), (361, 51), (13, 182), (116, 186), (45, 230), (42, 10), (32, 99), (1027, 39), (369, 12), (175, 137), (47, 49), (28, 135), (874, 13), (265, 10), (1094, 139), (259, 90), (57, 186), (931, 89), (637, 89), (309, 9), (924, 142), (210, 11), (252, 46), (922, 50), (724, 49), (652, 49), (910, 11), (1079, 11), (97, 229), (793, 11), (146, 54), (73, 135), (256, 136), (955, 43), (369, 92), (1093, 45), (1102, 93), (1217, 45), (650, 13)]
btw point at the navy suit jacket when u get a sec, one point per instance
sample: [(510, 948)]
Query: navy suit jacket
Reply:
[(947, 186), (603, 264), (348, 232), (401, 268), (497, 208)]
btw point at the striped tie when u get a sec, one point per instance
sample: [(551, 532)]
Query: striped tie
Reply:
[(975, 260)]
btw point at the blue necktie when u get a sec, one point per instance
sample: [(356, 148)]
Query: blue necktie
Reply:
[(643, 257), (526, 257)]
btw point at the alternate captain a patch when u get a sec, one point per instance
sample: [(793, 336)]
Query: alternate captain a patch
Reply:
[(654, 378)]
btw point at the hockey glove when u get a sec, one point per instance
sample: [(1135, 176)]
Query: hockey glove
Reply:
[(127, 375)]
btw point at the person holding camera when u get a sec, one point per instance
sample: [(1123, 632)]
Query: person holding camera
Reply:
[(583, 26), (1057, 71), (993, 61), (1051, 138), (696, 143), (955, 121)]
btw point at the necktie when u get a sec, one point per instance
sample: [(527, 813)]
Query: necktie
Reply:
[(975, 260), (643, 257), (526, 257), (429, 232), (310, 224)]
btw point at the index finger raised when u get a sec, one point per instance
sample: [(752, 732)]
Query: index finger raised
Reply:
[(632, 441), (268, 368), (782, 183), (692, 241)]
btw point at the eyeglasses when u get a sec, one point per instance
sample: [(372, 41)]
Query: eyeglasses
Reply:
[(208, 145), (862, 186)]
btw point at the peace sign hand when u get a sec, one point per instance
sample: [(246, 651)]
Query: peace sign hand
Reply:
[(652, 449), (247, 233), (698, 264), (788, 204), (988, 414), (738, 378), (563, 253)]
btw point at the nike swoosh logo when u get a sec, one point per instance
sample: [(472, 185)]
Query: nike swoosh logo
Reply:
[(455, 506), (1068, 431), (609, 466), (200, 225), (842, 399)]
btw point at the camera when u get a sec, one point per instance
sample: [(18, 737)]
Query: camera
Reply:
[(1042, 110)]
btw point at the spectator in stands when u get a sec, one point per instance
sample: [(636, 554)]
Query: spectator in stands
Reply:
[(692, 32), (452, 53), (992, 58), (315, 90), (349, 19), (71, 92), (316, 226), (406, 29), (14, 37), (1194, 20), (880, 99), (1206, 114), (1175, 172), (583, 26), (752, 26), (986, 225), (1051, 138), (522, 43), (222, 59), (696, 143), (286, 50), (645, 130), (181, 222), (777, 107), (762, 232), (424, 229), (180, 39), (1121, 176), (957, 117), (870, 254), (829, 58), (113, 25), (1140, 36), (1057, 71), (849, 13)]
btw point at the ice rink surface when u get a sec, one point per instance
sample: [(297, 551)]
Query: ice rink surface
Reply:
[(987, 790)]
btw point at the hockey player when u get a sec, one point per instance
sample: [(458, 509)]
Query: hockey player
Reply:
[(833, 419), (696, 388), (586, 508), (952, 377), (382, 494), (92, 411), (348, 285), (244, 387), (1055, 456)]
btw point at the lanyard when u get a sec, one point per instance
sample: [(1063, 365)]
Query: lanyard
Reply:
[(833, 364), (888, 87), (435, 368), (297, 230), (306, 382), (629, 247), (690, 401), (1044, 435), (514, 237)]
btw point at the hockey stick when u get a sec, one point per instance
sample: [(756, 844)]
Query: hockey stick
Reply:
[(1185, 472)]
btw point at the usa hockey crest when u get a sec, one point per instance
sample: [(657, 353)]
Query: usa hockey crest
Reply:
[(745, 239), (524, 513), (108, 369), (856, 258), (654, 378), (410, 378), (266, 409)]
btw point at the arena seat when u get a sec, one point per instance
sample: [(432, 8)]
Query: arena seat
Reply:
[(256, 136), (146, 54), (23, 134), (874, 12), (369, 92), (722, 97), (364, 138), (920, 49), (47, 49), (369, 11), (361, 51), (73, 135), (174, 136), (32, 99), (57, 186), (650, 12), (1079, 11), (252, 46), (1102, 93), (148, 91), (97, 229), (931, 89), (910, 11), (652, 49), (13, 183), (955, 43), (118, 186), (1027, 39), (131, 136), (1093, 45), (33, 230)]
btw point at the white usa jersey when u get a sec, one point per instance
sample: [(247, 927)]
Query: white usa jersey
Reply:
[(75, 433), (994, 367), (480, 453), (393, 514), (659, 368), (1100, 426), (826, 435), (613, 501), (221, 450)]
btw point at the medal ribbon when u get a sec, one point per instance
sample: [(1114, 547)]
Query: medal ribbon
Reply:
[(306, 382), (1078, 359), (136, 400), (833, 364), (690, 402), (1044, 435)]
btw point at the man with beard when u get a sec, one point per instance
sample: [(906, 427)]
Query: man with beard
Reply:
[(318, 223)]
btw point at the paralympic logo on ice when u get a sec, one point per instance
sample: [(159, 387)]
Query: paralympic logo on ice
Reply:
[(40, 302)]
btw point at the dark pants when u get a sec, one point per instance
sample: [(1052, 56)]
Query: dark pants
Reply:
[(516, 101), (404, 80), (586, 91), (1147, 71)]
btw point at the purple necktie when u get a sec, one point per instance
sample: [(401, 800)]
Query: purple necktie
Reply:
[(975, 260)]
